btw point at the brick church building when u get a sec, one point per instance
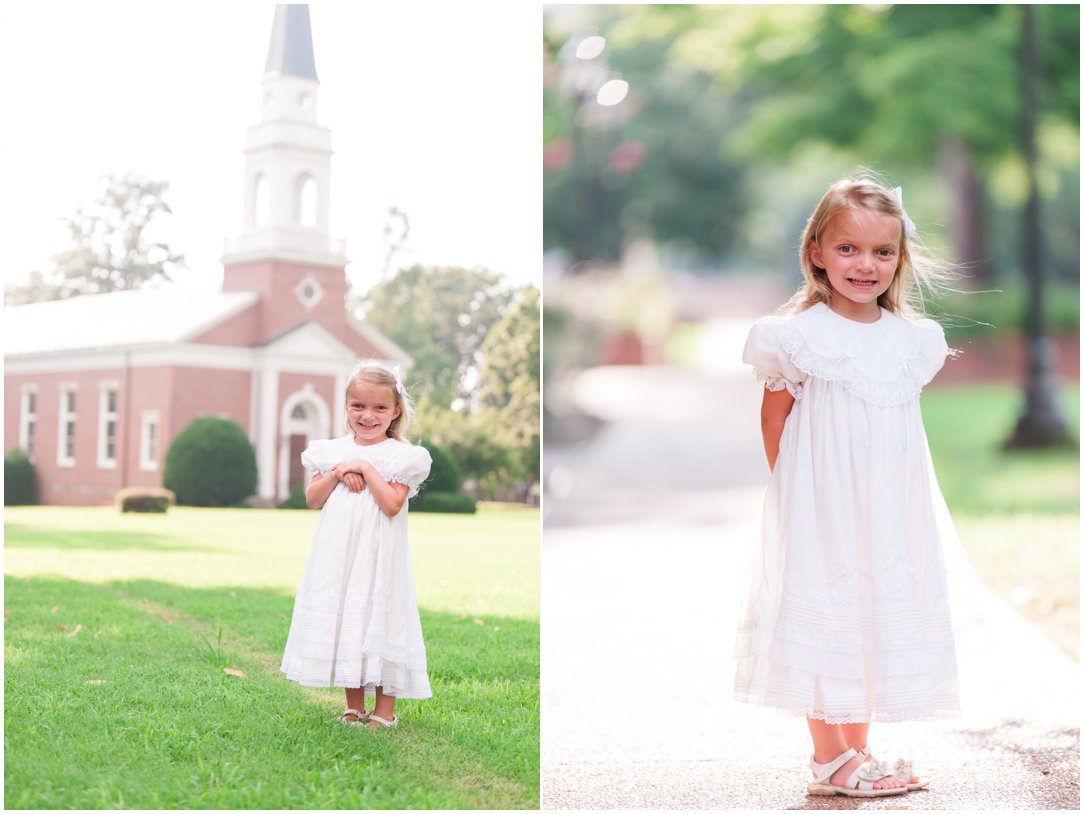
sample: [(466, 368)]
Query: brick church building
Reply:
[(96, 387)]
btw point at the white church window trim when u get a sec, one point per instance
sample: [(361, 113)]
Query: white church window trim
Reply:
[(149, 440), (65, 427), (108, 425), (28, 419), (309, 291)]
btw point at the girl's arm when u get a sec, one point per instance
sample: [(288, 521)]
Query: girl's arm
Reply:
[(390, 497), (320, 487), (773, 415)]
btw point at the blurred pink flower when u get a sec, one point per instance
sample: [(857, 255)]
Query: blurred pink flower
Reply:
[(627, 156), (556, 155)]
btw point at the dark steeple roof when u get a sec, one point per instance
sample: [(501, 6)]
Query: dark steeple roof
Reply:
[(291, 42)]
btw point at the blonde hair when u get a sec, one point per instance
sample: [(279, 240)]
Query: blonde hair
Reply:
[(917, 275), (374, 372)]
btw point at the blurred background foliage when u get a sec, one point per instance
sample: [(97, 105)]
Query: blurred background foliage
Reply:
[(738, 116)]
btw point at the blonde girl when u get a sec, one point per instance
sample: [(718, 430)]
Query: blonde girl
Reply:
[(859, 586), (355, 622)]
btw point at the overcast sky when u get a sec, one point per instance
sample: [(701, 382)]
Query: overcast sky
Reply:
[(434, 108)]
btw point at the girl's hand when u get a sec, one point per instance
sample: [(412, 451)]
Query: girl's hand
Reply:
[(354, 482), (343, 468)]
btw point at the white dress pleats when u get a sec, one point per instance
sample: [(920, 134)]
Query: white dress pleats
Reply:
[(859, 587), (355, 621)]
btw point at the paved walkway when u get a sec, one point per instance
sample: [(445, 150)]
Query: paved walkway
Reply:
[(646, 527)]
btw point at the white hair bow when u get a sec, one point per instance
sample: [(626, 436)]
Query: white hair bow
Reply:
[(398, 380), (908, 224)]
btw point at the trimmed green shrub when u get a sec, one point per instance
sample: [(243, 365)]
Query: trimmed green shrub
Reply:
[(20, 479), (296, 500), (444, 474), (210, 463), (447, 502), (440, 491), (145, 499)]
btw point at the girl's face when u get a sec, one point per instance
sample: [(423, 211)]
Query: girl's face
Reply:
[(370, 410), (860, 251)]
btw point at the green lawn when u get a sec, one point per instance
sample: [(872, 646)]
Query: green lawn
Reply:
[(1018, 513), (119, 629)]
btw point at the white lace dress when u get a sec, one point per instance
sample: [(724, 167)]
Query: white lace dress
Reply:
[(859, 587), (355, 620)]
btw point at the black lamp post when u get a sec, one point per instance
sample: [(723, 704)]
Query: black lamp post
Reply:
[(1042, 424)]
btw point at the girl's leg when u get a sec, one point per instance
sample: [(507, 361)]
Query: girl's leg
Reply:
[(855, 735), (384, 708), (829, 743), (355, 699)]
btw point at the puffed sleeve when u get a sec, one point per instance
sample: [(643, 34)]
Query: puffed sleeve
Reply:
[(933, 349), (771, 363), (317, 458), (413, 468)]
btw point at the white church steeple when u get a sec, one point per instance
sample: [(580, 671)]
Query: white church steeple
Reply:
[(287, 157)]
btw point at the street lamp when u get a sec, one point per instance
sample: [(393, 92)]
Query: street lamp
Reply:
[(596, 92)]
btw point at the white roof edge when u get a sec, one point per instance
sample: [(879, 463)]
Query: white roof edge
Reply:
[(383, 343), (245, 299)]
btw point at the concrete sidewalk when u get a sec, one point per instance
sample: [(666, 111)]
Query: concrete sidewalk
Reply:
[(646, 530)]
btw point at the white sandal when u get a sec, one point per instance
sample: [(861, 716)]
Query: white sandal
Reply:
[(859, 784), (361, 717), (903, 770), (384, 722)]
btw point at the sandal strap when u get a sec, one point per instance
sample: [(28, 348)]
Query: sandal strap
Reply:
[(823, 771), (384, 721), (865, 776), (353, 712)]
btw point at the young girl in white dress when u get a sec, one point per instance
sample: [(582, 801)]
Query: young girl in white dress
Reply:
[(861, 588), (355, 622)]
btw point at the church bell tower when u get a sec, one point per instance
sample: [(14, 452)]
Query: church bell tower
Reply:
[(284, 248)]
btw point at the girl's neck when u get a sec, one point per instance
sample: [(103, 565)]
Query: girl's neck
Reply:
[(866, 312)]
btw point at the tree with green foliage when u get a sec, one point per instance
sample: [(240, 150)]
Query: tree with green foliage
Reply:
[(440, 316), (113, 245), (730, 93), (509, 390), (650, 167)]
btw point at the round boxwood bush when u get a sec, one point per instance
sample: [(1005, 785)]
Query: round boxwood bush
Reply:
[(444, 474), (440, 491), (20, 479), (210, 463)]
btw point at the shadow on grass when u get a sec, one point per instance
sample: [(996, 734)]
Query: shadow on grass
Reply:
[(128, 691), (18, 536)]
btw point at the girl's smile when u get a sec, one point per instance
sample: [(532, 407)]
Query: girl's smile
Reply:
[(859, 251), (371, 409)]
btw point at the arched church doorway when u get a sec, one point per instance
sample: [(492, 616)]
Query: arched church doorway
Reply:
[(305, 418)]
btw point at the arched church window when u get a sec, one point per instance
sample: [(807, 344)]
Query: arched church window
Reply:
[(306, 214), (261, 209), (299, 412)]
